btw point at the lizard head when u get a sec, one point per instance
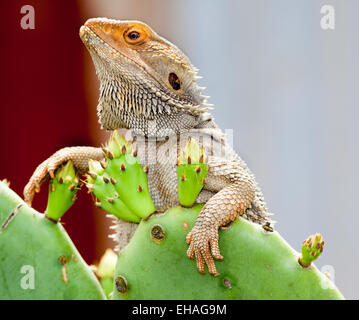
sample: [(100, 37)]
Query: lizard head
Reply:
[(147, 84)]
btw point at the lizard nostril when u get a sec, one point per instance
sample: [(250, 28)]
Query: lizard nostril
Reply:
[(174, 81), (107, 28)]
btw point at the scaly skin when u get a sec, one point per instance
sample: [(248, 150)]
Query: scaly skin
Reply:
[(150, 87), (80, 157)]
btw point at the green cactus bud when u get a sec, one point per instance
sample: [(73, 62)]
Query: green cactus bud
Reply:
[(95, 168), (107, 264), (118, 145), (119, 183), (106, 269), (62, 191), (130, 179), (191, 172), (312, 248), (103, 187)]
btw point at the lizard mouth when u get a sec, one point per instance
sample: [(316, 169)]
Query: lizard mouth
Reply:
[(83, 30)]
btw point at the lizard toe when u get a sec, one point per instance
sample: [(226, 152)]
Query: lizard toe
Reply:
[(204, 245), (53, 164), (200, 262), (29, 192), (190, 251), (189, 237), (215, 249), (34, 184), (209, 260)]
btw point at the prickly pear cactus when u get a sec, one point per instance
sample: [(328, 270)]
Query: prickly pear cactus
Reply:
[(37, 258), (119, 183), (258, 263)]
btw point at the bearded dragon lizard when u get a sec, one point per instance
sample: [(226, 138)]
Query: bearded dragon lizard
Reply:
[(149, 86)]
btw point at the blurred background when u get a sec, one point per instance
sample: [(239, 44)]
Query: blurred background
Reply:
[(287, 88)]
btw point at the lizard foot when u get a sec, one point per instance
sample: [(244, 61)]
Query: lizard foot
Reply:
[(79, 157), (43, 171), (201, 241)]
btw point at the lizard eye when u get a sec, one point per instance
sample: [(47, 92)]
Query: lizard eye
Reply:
[(174, 81), (134, 36)]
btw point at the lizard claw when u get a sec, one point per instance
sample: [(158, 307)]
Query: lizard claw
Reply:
[(201, 243), (42, 172), (51, 173), (37, 178)]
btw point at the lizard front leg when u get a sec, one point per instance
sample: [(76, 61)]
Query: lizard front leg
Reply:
[(224, 207), (79, 156)]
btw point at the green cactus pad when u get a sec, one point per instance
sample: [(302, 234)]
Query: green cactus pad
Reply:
[(312, 248), (102, 186), (120, 183), (131, 184), (32, 246), (62, 191), (257, 264), (191, 172)]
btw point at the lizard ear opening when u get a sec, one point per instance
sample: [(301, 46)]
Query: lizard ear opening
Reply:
[(174, 81)]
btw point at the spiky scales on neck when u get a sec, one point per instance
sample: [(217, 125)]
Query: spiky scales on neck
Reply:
[(147, 83)]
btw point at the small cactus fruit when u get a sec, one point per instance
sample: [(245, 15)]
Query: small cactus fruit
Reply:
[(106, 269), (191, 172), (312, 248), (62, 191), (119, 183)]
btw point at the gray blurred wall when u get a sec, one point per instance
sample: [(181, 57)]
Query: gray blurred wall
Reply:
[(289, 90)]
